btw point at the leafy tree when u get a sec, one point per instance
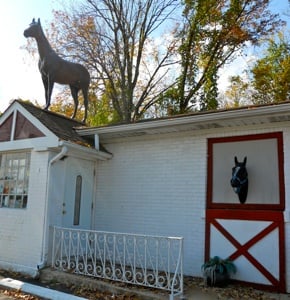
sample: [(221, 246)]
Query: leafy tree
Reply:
[(131, 73), (238, 93), (272, 72), (63, 104), (267, 80), (100, 110), (114, 39), (213, 33)]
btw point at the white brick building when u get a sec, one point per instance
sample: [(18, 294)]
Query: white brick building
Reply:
[(27, 208), (168, 177)]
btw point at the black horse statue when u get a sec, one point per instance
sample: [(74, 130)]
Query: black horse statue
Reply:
[(239, 180), (55, 69)]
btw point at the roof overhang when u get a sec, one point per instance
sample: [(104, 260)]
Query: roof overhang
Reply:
[(81, 151), (252, 115)]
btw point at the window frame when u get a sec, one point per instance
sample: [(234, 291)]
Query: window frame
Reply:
[(14, 179), (278, 136)]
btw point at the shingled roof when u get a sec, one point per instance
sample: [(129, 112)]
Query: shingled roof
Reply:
[(61, 126)]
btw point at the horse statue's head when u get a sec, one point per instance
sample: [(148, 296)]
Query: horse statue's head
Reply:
[(239, 180), (34, 29)]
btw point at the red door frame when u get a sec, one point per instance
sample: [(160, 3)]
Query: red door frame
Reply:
[(258, 212), (272, 135)]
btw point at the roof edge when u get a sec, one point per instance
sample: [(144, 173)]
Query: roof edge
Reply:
[(90, 152), (245, 112)]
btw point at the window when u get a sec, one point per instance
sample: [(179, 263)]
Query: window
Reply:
[(14, 175), (78, 196)]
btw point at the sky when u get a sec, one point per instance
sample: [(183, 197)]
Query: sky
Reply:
[(19, 75)]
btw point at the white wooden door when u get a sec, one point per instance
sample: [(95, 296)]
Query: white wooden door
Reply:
[(78, 195)]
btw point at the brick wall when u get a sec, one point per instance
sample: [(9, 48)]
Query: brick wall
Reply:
[(157, 185), (152, 185), (21, 229)]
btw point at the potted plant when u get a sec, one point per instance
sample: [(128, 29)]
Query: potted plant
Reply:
[(217, 271)]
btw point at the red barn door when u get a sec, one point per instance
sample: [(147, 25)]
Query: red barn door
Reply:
[(251, 234)]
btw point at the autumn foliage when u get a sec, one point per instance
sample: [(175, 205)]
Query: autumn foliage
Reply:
[(152, 58)]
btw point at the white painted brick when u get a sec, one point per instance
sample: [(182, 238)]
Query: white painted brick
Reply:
[(157, 188), (157, 185), (154, 185), (21, 229)]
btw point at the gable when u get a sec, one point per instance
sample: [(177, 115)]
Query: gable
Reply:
[(19, 129), (59, 125)]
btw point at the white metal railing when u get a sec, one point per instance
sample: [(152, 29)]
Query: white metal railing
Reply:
[(152, 261)]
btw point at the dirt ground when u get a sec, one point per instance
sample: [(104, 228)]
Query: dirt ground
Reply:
[(232, 292), (71, 289), (81, 292)]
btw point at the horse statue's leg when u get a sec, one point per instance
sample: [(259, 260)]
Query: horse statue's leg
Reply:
[(48, 87), (74, 92), (86, 102)]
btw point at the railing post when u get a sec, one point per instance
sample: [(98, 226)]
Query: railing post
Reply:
[(157, 262), (168, 260), (181, 265), (134, 261), (114, 257), (69, 249), (105, 255), (61, 248), (145, 260), (124, 258)]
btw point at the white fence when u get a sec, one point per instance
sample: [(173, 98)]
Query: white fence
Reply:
[(151, 261)]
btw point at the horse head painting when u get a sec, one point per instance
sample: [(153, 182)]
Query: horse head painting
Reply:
[(239, 180), (54, 69)]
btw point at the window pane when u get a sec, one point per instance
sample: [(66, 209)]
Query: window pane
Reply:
[(14, 175), (78, 196)]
